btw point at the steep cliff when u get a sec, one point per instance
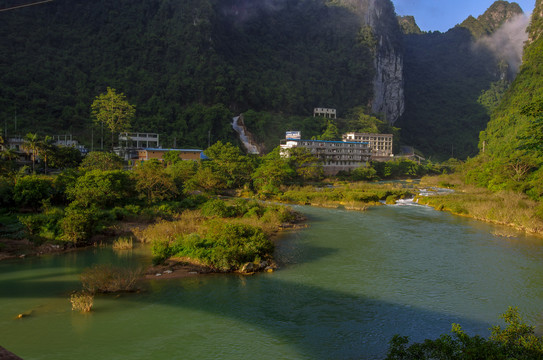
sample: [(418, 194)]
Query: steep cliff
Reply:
[(388, 96), (388, 83)]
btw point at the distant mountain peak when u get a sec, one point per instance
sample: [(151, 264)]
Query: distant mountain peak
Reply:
[(493, 18), (408, 25)]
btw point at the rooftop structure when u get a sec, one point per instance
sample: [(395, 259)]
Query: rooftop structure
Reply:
[(158, 154)]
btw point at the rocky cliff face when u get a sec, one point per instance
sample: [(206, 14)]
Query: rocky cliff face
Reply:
[(388, 85)]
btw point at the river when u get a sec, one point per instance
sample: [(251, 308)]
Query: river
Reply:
[(346, 284)]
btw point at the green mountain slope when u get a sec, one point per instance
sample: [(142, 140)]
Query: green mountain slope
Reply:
[(188, 66), (494, 17), (511, 146)]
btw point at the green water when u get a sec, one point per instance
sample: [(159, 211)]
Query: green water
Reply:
[(346, 285)]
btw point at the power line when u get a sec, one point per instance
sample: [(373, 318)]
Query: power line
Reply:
[(25, 5)]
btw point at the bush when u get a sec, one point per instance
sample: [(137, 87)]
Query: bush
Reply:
[(225, 247), (30, 191), (45, 225), (216, 207), (108, 279), (79, 225), (82, 301), (6, 192), (101, 188), (516, 341), (364, 173), (32, 223), (99, 160)]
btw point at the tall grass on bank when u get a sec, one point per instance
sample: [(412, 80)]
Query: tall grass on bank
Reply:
[(123, 243), (108, 279), (503, 207), (355, 196)]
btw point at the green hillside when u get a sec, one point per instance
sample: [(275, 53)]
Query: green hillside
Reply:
[(188, 66), (494, 17), (511, 146)]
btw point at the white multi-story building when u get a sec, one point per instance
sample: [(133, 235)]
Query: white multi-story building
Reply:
[(139, 140), (380, 144), (334, 155), (324, 112)]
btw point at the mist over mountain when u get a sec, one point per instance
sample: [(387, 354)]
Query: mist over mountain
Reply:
[(446, 74), (511, 155), (190, 66)]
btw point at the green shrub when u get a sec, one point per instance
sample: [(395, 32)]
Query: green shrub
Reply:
[(217, 208), (161, 250), (33, 223), (79, 225), (226, 246), (31, 190), (6, 192), (102, 189), (99, 160), (364, 173), (516, 341)]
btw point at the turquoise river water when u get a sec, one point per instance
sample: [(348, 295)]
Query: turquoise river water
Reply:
[(346, 285)]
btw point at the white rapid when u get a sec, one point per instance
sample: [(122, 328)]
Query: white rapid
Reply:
[(425, 192), (240, 129)]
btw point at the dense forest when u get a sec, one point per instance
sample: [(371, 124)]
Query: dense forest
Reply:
[(187, 66), (511, 149), (445, 76)]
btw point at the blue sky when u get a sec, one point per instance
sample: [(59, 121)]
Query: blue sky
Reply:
[(442, 15)]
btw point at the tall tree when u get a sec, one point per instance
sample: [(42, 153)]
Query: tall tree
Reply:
[(45, 148), (32, 143), (113, 110)]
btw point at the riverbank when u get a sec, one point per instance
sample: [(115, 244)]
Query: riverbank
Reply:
[(507, 208), (358, 196)]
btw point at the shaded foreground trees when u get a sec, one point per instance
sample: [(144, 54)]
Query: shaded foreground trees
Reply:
[(516, 341), (76, 203)]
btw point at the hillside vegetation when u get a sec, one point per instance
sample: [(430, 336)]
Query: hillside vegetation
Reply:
[(511, 151), (188, 66)]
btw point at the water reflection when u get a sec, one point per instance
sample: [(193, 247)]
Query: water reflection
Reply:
[(347, 284)]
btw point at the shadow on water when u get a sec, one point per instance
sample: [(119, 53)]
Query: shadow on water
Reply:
[(318, 322)]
